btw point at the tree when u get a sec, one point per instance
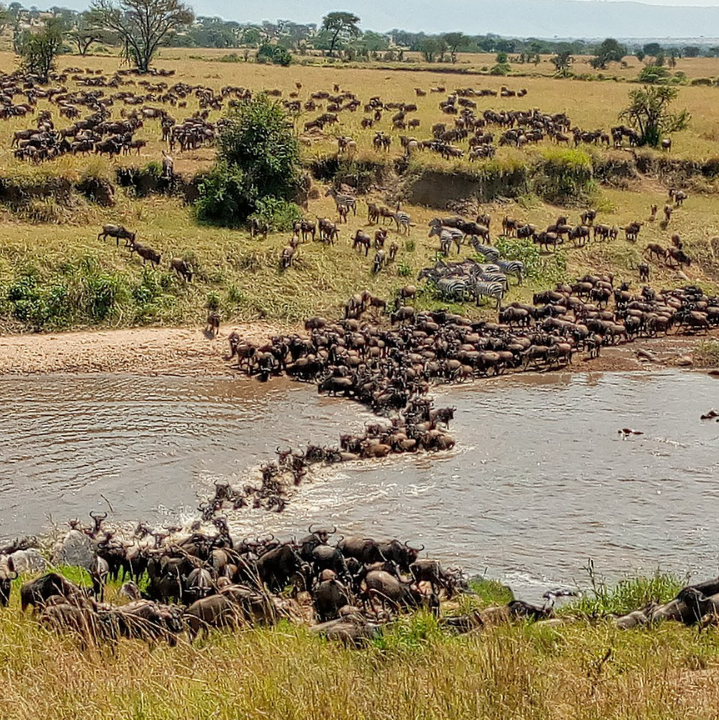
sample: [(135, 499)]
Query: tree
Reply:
[(87, 30), (652, 49), (609, 51), (649, 113), (640, 54), (258, 164), (691, 51), (431, 46), (561, 61), (454, 40), (5, 18), (142, 25), (38, 50), (340, 25)]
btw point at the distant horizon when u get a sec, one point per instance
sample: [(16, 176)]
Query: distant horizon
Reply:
[(541, 19)]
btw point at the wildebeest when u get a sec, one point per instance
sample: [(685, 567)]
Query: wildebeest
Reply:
[(182, 268), (38, 591), (118, 232), (146, 253)]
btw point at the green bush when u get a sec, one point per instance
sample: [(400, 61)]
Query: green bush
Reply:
[(500, 69), (565, 176), (280, 215), (654, 75), (258, 158), (275, 54)]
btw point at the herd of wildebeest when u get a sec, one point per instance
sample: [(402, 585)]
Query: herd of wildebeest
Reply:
[(202, 578), (154, 99), (383, 353)]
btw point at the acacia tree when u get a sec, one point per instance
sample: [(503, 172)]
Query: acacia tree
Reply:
[(340, 24), (38, 50), (561, 61), (454, 40), (142, 25), (649, 113), (609, 51), (88, 30)]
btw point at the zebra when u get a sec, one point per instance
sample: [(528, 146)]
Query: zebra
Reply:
[(487, 251), (495, 277), (447, 235), (347, 201), (512, 267), (403, 220), (488, 289), (452, 288)]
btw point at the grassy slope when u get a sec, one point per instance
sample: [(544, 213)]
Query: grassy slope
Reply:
[(414, 671), (67, 259), (246, 276)]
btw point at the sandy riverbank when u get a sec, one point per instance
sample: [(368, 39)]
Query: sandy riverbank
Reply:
[(142, 351), (183, 351)]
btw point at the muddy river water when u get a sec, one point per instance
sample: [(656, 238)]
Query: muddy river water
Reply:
[(540, 482)]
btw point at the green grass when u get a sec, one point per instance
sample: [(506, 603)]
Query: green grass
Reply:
[(706, 354)]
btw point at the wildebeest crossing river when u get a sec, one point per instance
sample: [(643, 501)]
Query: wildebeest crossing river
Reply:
[(539, 483)]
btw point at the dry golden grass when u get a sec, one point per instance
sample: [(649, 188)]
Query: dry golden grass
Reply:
[(416, 672), (590, 105)]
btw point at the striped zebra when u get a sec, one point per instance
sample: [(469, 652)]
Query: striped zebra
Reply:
[(512, 267), (343, 200), (453, 288), (495, 277), (487, 268), (487, 251), (403, 220), (493, 290), (447, 235)]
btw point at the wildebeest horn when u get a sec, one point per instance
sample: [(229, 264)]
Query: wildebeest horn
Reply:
[(98, 515), (309, 529), (420, 549), (334, 530)]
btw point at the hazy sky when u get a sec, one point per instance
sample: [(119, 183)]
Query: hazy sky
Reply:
[(519, 18)]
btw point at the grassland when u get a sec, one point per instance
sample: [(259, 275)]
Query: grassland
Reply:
[(580, 669), (55, 274)]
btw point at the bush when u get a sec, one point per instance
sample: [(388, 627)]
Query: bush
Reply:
[(654, 75), (500, 69), (565, 176), (258, 158), (279, 214), (274, 54)]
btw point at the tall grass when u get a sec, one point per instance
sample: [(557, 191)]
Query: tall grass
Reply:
[(415, 669)]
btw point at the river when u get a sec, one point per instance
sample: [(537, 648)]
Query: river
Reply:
[(540, 482)]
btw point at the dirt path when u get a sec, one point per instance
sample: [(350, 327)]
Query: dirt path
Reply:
[(178, 351)]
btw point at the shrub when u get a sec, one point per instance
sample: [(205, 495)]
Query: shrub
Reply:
[(275, 54), (565, 176), (654, 75), (404, 269), (500, 69), (279, 214), (258, 157)]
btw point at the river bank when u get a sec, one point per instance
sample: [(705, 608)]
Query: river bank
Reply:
[(190, 352), (140, 351)]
